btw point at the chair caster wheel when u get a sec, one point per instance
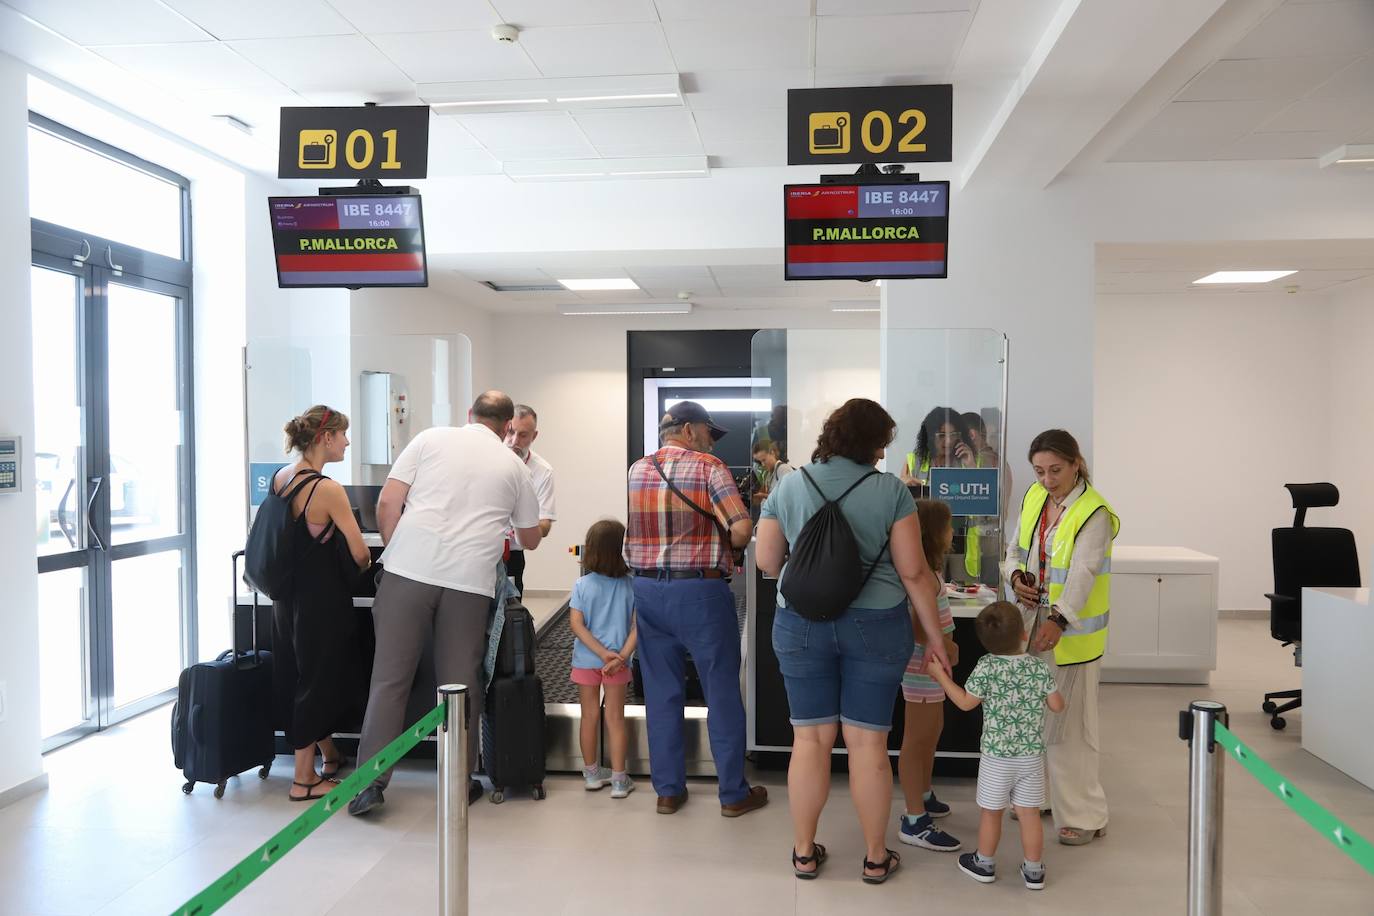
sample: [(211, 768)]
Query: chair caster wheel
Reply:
[(1269, 707), (219, 791), (497, 796), (262, 773), (188, 788), (539, 794), (1278, 723)]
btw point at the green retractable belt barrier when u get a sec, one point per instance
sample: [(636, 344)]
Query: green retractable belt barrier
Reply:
[(268, 854), (1321, 820)]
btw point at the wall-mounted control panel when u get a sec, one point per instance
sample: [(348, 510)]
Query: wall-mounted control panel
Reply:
[(11, 447)]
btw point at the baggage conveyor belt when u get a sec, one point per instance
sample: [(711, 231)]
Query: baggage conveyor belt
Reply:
[(553, 661)]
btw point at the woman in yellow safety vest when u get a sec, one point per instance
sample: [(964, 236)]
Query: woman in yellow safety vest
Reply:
[(943, 442), (1059, 566)]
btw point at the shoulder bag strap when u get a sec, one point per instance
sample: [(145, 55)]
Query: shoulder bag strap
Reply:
[(720, 529), (307, 477), (328, 528)]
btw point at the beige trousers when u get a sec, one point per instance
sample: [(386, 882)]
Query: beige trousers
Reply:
[(1071, 745)]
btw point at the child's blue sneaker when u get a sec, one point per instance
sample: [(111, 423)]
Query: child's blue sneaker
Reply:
[(935, 807), (969, 865), (923, 832), (596, 778)]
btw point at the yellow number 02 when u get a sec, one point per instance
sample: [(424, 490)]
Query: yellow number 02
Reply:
[(365, 160), (866, 134), (908, 143)]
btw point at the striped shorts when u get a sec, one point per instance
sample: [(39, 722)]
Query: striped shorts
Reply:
[(1020, 780)]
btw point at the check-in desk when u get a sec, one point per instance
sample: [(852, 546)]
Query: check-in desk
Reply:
[(766, 698), (1338, 679)]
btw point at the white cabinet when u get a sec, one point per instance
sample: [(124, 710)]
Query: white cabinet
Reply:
[(1164, 616)]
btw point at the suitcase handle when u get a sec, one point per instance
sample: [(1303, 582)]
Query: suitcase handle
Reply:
[(195, 722), (236, 651)]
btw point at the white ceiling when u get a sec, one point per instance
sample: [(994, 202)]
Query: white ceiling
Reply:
[(1296, 85), (1168, 268), (247, 58)]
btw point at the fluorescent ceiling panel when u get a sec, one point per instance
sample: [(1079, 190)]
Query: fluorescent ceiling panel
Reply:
[(636, 308), (726, 405), (599, 285), (655, 90), (1244, 276)]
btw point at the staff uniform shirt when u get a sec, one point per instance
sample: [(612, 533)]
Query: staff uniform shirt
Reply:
[(606, 605), (466, 489), (541, 476), (663, 531), (871, 510)]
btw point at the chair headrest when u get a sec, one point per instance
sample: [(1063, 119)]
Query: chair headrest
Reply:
[(1313, 495)]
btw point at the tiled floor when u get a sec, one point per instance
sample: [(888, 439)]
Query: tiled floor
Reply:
[(115, 835)]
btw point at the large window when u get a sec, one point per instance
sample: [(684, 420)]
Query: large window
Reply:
[(111, 284)]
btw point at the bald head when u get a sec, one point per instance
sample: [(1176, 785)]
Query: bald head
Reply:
[(494, 410)]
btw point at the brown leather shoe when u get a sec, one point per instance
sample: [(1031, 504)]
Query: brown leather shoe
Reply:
[(668, 804), (756, 799)]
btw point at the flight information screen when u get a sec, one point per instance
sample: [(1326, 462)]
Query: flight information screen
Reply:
[(867, 231), (351, 242)]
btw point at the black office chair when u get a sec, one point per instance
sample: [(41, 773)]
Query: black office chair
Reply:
[(1305, 557)]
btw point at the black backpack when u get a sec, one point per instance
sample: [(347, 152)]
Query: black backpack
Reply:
[(269, 562), (824, 572)]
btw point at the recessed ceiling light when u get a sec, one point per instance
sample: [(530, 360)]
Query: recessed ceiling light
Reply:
[(1350, 154), (617, 98), (489, 102), (1244, 276), (602, 285), (875, 309), (637, 308), (664, 172)]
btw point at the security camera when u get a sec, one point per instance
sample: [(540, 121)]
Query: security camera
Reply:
[(505, 33)]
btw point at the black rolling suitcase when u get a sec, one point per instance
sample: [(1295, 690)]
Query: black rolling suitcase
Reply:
[(513, 721), (222, 720)]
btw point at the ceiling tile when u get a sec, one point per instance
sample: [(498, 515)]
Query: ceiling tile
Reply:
[(103, 22), (532, 131), (641, 131), (749, 44), (190, 66), (742, 88), (1002, 37), (830, 78), (1300, 144), (337, 63), (730, 277), (436, 57), (729, 10), (449, 133), (748, 155), (510, 276), (260, 109), (923, 42), (375, 18), (885, 7), (1350, 113), (1265, 78), (1189, 131), (599, 50), (742, 125), (263, 18), (445, 161), (1311, 30), (1355, 79), (538, 13)]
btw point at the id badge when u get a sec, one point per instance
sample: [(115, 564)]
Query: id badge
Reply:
[(1044, 598)]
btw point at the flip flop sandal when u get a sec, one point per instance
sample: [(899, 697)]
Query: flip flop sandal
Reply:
[(817, 855), (1083, 838), (888, 865), (311, 796)]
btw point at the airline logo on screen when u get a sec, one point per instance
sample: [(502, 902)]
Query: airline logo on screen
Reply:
[(865, 232), (348, 241)]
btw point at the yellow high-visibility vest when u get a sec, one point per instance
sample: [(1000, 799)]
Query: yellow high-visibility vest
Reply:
[(1088, 641)]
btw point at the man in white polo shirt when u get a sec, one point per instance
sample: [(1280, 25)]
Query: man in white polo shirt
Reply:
[(524, 429), (461, 489)]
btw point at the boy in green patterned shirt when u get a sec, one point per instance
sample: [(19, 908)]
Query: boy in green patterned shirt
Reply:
[(1014, 688)]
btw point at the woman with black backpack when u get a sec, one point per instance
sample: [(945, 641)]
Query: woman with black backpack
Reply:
[(845, 542), (315, 675)]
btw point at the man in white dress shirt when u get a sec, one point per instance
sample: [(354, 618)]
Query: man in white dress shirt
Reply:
[(524, 429)]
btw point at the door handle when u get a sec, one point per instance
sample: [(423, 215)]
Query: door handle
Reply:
[(90, 503), (68, 531)]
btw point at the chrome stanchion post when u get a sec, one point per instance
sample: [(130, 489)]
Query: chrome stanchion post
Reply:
[(1205, 785), (453, 801)]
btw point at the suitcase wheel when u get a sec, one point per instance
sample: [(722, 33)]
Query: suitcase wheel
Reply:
[(539, 793), (497, 796), (188, 788), (219, 791), (266, 768)]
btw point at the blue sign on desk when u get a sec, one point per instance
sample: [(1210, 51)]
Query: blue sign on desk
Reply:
[(968, 491), (260, 475)]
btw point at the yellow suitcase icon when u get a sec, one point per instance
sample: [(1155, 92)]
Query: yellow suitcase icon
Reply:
[(317, 149), (829, 132)]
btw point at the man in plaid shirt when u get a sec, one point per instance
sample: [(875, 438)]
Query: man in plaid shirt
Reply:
[(680, 546)]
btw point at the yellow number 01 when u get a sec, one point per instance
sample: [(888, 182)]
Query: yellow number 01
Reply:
[(866, 133), (917, 119), (365, 160)]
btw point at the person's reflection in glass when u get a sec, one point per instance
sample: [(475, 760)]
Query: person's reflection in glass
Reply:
[(942, 442)]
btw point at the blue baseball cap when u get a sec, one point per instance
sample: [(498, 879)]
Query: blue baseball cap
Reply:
[(690, 412)]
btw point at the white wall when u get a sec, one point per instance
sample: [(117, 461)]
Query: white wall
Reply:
[(825, 368), (19, 730), (1347, 350), (1206, 405)]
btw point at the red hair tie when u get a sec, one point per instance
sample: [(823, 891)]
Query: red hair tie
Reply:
[(320, 431)]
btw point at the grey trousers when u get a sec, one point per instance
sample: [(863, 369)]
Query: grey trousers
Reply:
[(406, 614)]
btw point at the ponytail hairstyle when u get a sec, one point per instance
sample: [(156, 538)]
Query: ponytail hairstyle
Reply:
[(1061, 443), (936, 524), (306, 429)]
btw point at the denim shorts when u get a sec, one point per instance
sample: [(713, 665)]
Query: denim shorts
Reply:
[(845, 670)]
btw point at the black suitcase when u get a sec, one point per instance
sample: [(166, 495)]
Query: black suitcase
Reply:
[(513, 721), (222, 720)]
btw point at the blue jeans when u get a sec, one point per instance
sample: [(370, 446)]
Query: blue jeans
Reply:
[(674, 617), (844, 670)]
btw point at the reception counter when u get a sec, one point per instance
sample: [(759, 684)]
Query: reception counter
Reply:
[(1338, 679)]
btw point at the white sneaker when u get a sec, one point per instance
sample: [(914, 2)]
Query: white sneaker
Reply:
[(597, 779), (622, 787)]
